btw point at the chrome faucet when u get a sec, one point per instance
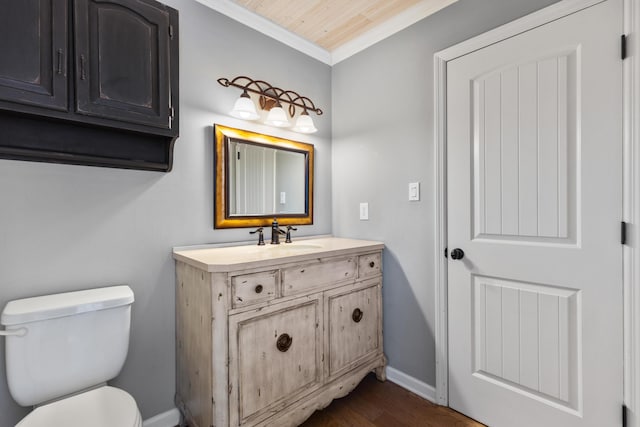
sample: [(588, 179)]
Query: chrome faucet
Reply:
[(276, 232)]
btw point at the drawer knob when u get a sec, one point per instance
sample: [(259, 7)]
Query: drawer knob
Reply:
[(258, 289), (284, 342), (372, 264), (357, 315)]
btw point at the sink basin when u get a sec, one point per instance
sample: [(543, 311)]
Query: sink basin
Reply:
[(281, 249), (293, 247)]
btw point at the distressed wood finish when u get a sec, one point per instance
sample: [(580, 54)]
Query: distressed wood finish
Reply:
[(110, 97), (193, 343), (369, 265), (264, 377), (273, 359), (34, 68), (305, 277), (354, 327), (126, 81), (253, 288)]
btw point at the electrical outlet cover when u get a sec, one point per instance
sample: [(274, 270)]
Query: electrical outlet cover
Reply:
[(364, 211)]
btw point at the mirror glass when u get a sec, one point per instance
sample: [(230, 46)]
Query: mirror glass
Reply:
[(264, 180), (259, 177)]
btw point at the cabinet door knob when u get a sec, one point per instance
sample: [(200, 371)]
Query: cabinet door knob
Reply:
[(372, 264), (258, 289), (357, 314), (284, 342)]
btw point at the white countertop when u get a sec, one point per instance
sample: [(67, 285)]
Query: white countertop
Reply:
[(233, 258)]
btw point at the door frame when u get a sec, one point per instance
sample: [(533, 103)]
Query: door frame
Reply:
[(631, 187)]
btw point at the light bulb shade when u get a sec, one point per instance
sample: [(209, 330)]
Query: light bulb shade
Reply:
[(277, 117), (304, 124), (244, 108)]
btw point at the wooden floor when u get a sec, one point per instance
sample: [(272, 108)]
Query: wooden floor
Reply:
[(377, 404)]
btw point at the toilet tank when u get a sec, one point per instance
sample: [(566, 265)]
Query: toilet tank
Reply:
[(73, 341)]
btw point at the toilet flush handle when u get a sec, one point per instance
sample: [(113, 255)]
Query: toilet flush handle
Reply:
[(20, 332)]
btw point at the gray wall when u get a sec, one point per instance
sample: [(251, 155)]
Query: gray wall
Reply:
[(290, 167), (72, 227), (382, 140), (68, 227)]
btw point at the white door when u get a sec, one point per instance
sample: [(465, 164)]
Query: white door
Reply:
[(534, 178)]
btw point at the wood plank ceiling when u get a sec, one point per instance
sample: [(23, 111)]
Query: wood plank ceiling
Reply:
[(328, 23)]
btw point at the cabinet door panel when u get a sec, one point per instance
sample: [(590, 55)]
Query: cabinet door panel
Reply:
[(278, 357), (122, 61), (354, 322), (33, 52)]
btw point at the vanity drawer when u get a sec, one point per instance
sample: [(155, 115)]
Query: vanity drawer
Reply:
[(315, 275), (253, 288), (354, 327), (369, 265)]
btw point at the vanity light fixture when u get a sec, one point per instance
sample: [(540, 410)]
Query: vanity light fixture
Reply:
[(277, 117), (304, 124), (244, 108), (271, 99)]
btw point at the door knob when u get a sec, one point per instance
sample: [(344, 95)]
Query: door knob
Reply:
[(457, 253)]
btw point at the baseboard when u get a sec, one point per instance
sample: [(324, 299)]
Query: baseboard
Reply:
[(405, 381), (171, 418)]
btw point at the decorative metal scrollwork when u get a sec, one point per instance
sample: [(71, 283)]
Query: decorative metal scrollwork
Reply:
[(271, 95)]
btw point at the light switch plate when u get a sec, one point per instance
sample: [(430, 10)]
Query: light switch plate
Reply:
[(414, 191), (283, 197), (364, 211)]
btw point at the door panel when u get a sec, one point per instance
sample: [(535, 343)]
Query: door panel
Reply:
[(534, 148), (122, 61), (353, 327), (278, 356), (34, 51), (526, 337), (524, 160)]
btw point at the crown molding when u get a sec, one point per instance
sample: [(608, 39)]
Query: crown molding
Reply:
[(268, 28), (399, 22)]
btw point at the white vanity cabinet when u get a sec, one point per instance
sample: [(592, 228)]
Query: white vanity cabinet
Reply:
[(267, 335)]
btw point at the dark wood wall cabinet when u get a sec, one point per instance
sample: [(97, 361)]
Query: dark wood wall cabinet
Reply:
[(90, 82)]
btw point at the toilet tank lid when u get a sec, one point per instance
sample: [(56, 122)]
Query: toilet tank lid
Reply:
[(65, 304)]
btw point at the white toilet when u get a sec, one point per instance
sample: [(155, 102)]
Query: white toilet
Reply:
[(60, 351)]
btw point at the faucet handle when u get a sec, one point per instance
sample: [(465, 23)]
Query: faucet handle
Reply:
[(288, 237), (260, 236)]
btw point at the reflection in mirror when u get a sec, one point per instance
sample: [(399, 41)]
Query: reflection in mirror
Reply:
[(265, 180), (259, 177)]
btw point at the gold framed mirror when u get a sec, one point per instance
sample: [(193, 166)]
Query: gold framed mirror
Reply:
[(259, 177)]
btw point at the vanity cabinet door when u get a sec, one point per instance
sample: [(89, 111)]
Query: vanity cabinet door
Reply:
[(122, 61), (33, 53), (354, 326), (275, 358)]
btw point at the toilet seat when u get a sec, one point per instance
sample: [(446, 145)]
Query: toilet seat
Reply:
[(102, 407)]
